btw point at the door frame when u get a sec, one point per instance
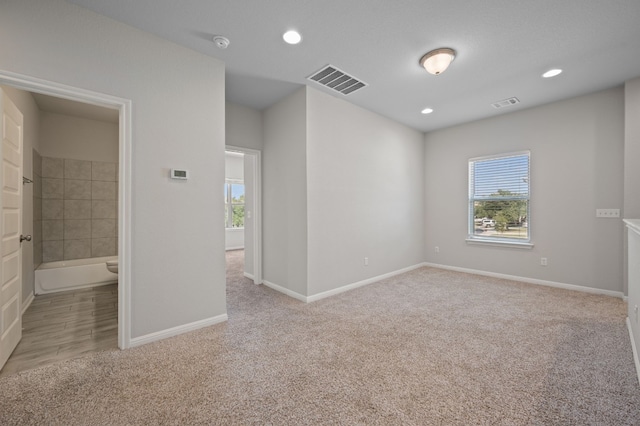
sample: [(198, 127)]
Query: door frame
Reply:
[(50, 88), (257, 208)]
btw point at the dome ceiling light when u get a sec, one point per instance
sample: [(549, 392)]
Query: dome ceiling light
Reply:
[(438, 60)]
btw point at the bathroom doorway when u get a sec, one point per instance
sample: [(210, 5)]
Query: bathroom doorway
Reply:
[(115, 295)]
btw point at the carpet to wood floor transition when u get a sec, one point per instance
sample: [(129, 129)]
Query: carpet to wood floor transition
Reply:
[(428, 347)]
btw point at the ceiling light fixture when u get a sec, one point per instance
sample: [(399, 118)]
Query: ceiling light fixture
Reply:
[(427, 111), (438, 60), (552, 73), (292, 37)]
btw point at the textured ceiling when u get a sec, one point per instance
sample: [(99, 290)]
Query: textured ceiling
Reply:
[(503, 47)]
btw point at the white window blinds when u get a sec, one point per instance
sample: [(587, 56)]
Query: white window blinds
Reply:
[(499, 197)]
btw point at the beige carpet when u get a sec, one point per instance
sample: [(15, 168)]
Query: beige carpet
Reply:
[(426, 347)]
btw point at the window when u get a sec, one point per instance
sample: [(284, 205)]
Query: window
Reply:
[(234, 204), (499, 198)]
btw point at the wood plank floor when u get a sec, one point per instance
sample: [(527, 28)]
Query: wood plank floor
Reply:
[(65, 325)]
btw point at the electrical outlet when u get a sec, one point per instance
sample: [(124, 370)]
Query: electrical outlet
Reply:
[(608, 213), (543, 261), (366, 261), (437, 249)]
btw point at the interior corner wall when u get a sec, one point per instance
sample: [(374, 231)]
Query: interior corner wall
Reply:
[(177, 253), (243, 126), (284, 194), (365, 194), (30, 141), (576, 167)]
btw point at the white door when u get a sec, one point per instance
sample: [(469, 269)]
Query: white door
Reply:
[(10, 227)]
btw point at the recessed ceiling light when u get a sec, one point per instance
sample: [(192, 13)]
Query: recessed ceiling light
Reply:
[(427, 111), (552, 73), (292, 37)]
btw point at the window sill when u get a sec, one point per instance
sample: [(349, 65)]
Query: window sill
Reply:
[(500, 243)]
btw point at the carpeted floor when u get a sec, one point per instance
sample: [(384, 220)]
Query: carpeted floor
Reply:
[(429, 347)]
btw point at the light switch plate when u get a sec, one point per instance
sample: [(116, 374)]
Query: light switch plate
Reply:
[(609, 213)]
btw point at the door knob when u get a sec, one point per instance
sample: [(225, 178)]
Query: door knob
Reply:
[(25, 238)]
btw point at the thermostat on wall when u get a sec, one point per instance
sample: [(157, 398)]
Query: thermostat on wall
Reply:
[(179, 174)]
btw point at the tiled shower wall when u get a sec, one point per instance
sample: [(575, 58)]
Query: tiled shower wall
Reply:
[(79, 209)]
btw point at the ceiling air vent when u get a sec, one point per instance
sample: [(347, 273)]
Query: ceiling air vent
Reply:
[(505, 103), (337, 80)]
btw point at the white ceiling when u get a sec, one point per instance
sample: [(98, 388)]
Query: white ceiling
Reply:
[(503, 48)]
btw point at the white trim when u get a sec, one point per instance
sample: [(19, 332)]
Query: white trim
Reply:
[(352, 286), (342, 289), (124, 106), (504, 155), (634, 348), (257, 209), (286, 291), (234, 248), (248, 275), (499, 243), (26, 304), (536, 281), (633, 224), (164, 334)]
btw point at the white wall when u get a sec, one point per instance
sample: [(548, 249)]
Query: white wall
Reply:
[(64, 136), (176, 239), (234, 166), (30, 141), (632, 149), (365, 178), (576, 167), (243, 126), (284, 183), (631, 208)]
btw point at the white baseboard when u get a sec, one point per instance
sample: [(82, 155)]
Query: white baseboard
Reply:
[(27, 303), (159, 335), (573, 287), (313, 298), (351, 286), (286, 291), (234, 248), (248, 275), (634, 348)]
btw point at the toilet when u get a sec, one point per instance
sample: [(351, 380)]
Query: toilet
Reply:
[(112, 266)]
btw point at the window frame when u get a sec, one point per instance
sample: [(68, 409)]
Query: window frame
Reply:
[(472, 238), (228, 203)]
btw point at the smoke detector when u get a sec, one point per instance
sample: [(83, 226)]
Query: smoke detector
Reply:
[(221, 42)]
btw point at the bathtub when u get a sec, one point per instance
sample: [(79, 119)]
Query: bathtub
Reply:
[(66, 275)]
